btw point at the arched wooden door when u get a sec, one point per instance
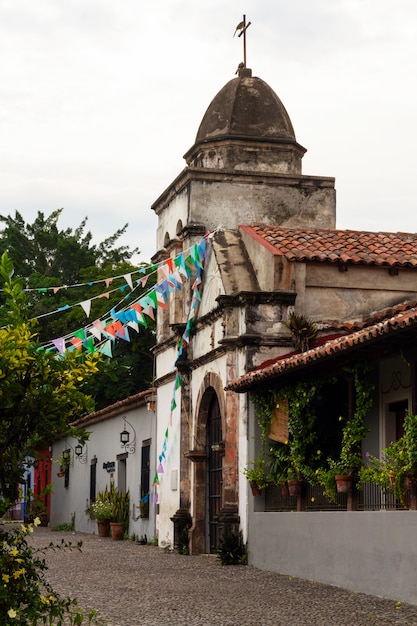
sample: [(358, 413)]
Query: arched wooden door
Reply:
[(214, 441)]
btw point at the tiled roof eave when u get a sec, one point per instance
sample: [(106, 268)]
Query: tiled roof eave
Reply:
[(327, 351), (124, 405)]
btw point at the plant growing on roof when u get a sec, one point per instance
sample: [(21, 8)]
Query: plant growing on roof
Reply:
[(302, 329)]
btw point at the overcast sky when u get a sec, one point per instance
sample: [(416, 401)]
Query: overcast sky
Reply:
[(100, 99)]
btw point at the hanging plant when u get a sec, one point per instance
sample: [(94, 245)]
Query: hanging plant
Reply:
[(354, 431), (292, 457)]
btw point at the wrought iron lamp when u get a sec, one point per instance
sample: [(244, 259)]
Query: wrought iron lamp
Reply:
[(80, 453), (126, 443)]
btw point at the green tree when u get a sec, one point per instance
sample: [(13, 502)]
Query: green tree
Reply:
[(47, 256), (40, 393), (43, 249)]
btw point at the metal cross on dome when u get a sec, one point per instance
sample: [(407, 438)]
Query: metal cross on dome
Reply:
[(242, 27)]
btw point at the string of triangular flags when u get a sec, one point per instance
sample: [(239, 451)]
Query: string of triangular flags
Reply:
[(106, 281), (171, 274), (185, 339)]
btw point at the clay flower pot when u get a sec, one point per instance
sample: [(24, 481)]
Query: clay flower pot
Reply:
[(103, 527), (255, 489), (117, 530), (343, 483), (295, 487)]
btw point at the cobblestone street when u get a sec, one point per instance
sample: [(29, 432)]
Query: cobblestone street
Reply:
[(134, 585)]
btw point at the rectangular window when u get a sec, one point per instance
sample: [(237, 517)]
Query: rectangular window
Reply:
[(145, 479), (66, 477), (93, 481)]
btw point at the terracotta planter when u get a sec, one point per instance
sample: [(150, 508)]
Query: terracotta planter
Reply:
[(295, 487), (284, 489), (103, 527), (255, 489), (117, 530), (343, 483)]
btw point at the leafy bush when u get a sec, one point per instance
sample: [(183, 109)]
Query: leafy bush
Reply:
[(232, 549), (26, 596), (102, 510)]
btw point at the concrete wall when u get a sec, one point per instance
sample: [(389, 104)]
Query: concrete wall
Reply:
[(373, 552)]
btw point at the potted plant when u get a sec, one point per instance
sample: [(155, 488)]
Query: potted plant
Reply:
[(279, 465), (340, 473), (119, 520), (102, 511), (36, 505), (396, 468), (257, 475)]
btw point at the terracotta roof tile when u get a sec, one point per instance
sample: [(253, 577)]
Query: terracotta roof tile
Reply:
[(291, 362), (372, 318), (343, 246)]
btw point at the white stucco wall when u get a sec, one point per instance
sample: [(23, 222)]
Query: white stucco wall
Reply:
[(168, 489), (104, 446)]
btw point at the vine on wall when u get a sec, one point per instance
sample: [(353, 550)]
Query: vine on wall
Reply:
[(300, 457)]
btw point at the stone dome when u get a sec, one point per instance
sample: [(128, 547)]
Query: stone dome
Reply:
[(246, 127), (246, 107)]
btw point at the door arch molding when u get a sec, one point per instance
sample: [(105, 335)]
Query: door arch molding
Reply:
[(211, 387)]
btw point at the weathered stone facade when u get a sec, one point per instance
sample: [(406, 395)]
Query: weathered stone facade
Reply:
[(244, 167)]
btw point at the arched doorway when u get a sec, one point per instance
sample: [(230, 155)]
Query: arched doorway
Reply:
[(214, 471)]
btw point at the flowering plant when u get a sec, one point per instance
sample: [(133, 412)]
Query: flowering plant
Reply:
[(102, 510), (26, 596)]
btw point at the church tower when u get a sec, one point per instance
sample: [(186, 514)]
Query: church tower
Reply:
[(245, 167)]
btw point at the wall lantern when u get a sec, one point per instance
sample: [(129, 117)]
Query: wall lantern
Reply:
[(66, 454), (128, 443), (124, 437), (80, 453)]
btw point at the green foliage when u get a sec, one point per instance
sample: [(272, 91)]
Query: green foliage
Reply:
[(120, 502), (35, 503), (279, 462), (301, 456), (153, 541), (257, 473), (397, 463), (26, 595), (302, 329), (66, 526), (301, 427), (101, 510), (43, 249), (48, 256), (232, 550), (39, 393), (294, 459), (354, 430)]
